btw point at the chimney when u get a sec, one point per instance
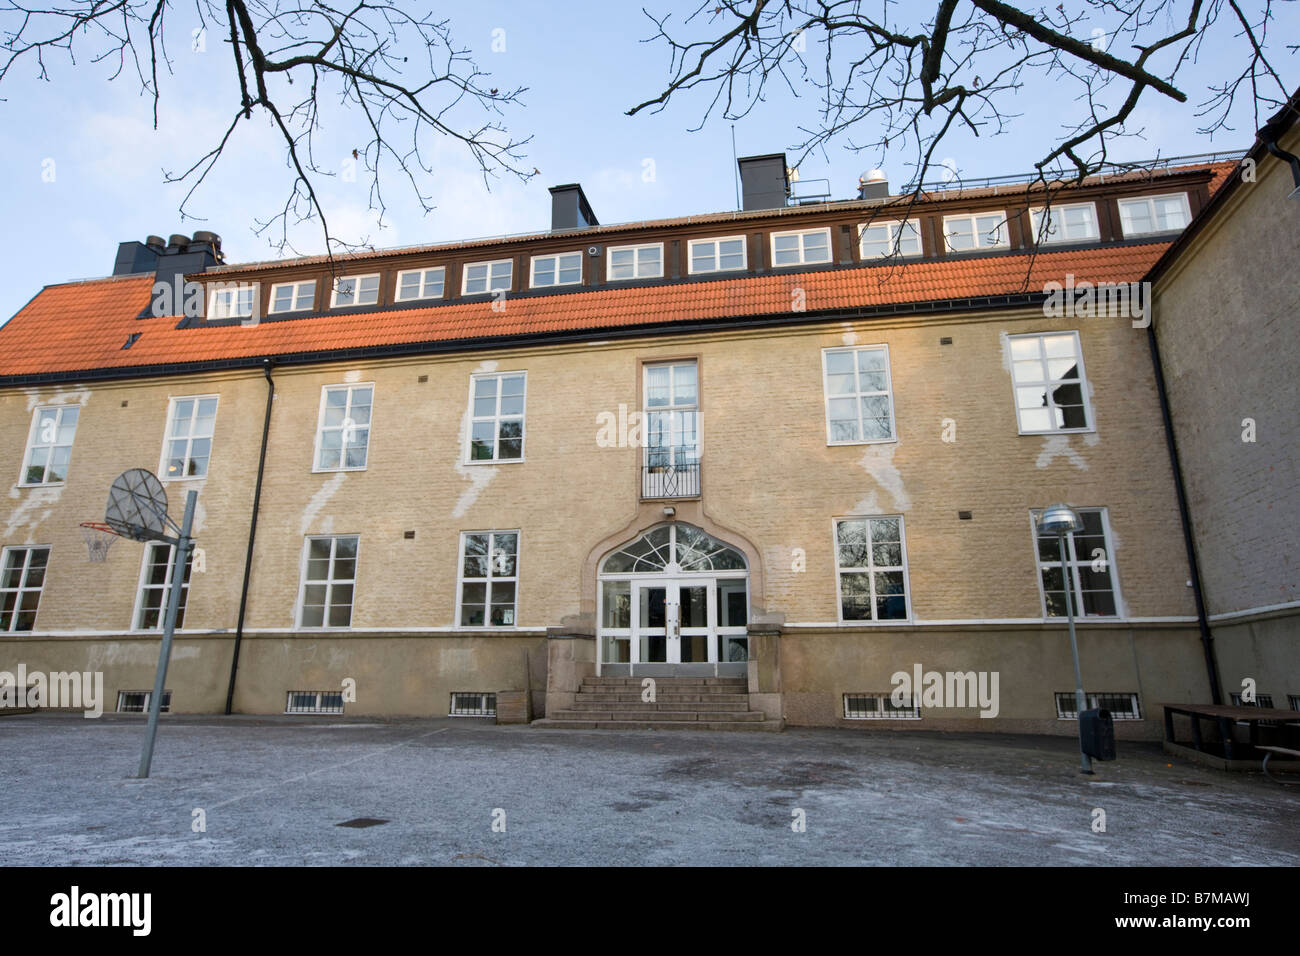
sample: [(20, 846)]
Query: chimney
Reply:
[(570, 209), (873, 184), (170, 262), (764, 181)]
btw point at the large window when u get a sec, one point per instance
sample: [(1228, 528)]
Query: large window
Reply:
[(672, 408), (232, 302), (489, 573), (293, 296), (483, 277), (497, 416), (1050, 384), (415, 284), (717, 255), (565, 269), (355, 290), (188, 442), (859, 403), (801, 248), (49, 444), (343, 428), (984, 231), (1089, 568), (1073, 223), (1150, 214), (22, 575), (870, 569), (880, 239), (636, 262), (155, 586), (329, 578)]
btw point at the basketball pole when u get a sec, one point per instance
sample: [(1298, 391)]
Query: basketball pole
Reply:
[(183, 545)]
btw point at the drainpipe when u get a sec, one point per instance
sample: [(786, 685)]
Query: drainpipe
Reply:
[(1184, 513), (252, 535)]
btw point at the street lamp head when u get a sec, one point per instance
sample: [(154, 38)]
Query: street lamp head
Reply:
[(1059, 519)]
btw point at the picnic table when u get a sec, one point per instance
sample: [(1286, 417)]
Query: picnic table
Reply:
[(1227, 717)]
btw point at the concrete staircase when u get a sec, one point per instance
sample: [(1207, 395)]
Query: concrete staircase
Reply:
[(681, 703)]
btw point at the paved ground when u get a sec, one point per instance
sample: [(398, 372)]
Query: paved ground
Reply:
[(273, 789)]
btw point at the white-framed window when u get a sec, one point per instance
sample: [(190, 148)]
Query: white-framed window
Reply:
[(488, 579), (880, 707), (293, 296), (805, 247), (871, 569), (232, 301), (1051, 387), (415, 284), (858, 393), (1122, 705), (635, 262), (1076, 222), (1148, 214), (717, 255), (482, 277), (979, 231), (187, 444), (472, 704), (49, 444), (1089, 567), (355, 290), (314, 702), (562, 269), (329, 577), (22, 576), (672, 430), (879, 239), (497, 416), (156, 584), (343, 427), (137, 701)]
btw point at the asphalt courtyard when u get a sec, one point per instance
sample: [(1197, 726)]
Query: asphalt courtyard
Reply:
[(460, 792)]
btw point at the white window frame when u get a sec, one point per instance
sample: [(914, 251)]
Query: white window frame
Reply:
[(321, 427), (717, 254), (1151, 208), (137, 613), (329, 582), (483, 710), (557, 256), (496, 418), (296, 299), (220, 308), (318, 707), (356, 290), (896, 246), (425, 280), (1076, 594), (857, 394), (803, 247), (884, 700), (1003, 229), (33, 443), (22, 587), (163, 708), (871, 570), (1085, 389), (1066, 702), (1054, 215), (488, 277), (461, 580), (636, 251), (189, 438)]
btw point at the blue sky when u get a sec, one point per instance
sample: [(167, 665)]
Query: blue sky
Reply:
[(584, 66)]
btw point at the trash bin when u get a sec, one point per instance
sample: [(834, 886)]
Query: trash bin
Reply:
[(1097, 734)]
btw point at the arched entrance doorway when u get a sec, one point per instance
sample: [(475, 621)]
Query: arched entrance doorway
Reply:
[(674, 601)]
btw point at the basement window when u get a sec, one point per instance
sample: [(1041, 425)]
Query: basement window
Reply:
[(1122, 706), (1261, 700), (415, 284), (481, 277), (468, 704), (880, 707), (801, 248), (314, 702), (355, 290), (137, 701), (293, 296)]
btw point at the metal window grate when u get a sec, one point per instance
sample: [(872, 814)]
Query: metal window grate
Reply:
[(314, 702), (879, 707), (1261, 700), (466, 704), (137, 701), (1122, 705)]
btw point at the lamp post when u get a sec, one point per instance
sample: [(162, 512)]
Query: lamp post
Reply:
[(1060, 520)]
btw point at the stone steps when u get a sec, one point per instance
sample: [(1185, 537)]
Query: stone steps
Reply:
[(681, 703), (770, 726), (710, 706)]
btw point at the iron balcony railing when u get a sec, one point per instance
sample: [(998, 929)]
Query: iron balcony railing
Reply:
[(662, 477)]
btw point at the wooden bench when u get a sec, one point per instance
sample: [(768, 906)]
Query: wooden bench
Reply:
[(1278, 750), (1227, 717)]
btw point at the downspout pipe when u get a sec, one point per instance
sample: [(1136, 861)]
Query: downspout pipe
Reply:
[(1184, 513), (252, 535)]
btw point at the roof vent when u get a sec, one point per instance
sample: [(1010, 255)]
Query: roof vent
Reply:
[(764, 181), (177, 242), (873, 184)]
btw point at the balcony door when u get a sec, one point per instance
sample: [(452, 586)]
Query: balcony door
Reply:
[(672, 447)]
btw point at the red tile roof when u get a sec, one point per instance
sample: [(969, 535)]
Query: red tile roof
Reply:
[(81, 327)]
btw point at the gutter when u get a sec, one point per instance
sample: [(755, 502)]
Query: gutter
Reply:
[(252, 535)]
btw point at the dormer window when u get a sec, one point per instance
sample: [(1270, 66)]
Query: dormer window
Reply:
[(564, 269), (231, 301), (293, 296), (880, 239), (717, 255), (808, 247), (483, 277), (980, 231), (355, 290), (636, 262), (1151, 214), (1073, 223), (415, 284)]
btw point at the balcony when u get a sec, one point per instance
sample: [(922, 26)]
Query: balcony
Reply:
[(664, 475)]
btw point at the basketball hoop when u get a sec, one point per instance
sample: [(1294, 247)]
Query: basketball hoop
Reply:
[(99, 538)]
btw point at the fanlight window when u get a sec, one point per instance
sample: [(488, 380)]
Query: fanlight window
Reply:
[(675, 547)]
